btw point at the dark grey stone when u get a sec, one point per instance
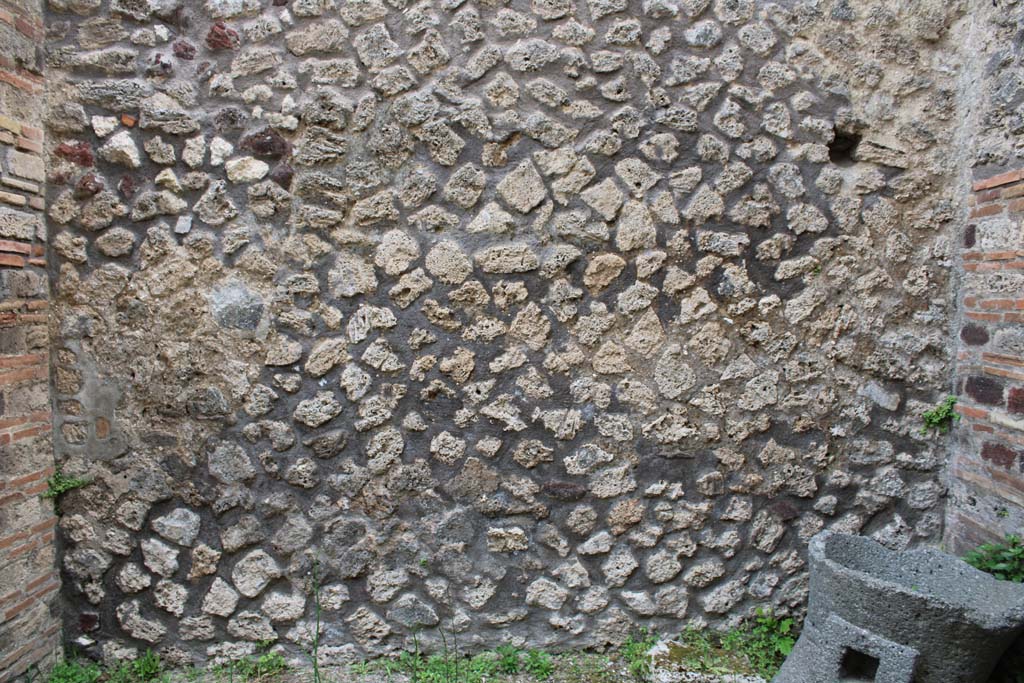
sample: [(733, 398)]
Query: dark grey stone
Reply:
[(919, 616)]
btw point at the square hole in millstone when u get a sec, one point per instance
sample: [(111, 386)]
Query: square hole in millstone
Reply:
[(857, 666)]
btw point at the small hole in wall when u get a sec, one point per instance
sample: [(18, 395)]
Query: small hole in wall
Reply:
[(857, 666), (843, 147)]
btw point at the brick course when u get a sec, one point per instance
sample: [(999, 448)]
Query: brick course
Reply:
[(986, 469), (29, 580)]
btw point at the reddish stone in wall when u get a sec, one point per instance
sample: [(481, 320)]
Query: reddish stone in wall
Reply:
[(128, 185), (282, 175), (984, 390), (970, 236), (184, 50), (265, 142), (221, 37), (80, 153), (974, 335), (88, 186), (1015, 401), (998, 454)]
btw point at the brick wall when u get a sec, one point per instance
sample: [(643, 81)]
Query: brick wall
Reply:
[(29, 581), (987, 464)]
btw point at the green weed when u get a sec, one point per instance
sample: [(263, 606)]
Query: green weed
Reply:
[(75, 671), (58, 483), (1003, 560), (144, 669), (508, 659), (757, 647), (539, 664), (634, 653), (266, 665), (941, 417), (768, 642)]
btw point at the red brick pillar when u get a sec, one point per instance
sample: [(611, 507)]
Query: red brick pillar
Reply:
[(29, 580), (987, 466)]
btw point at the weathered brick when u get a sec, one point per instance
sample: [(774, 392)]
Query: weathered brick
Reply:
[(1015, 401), (974, 335), (984, 390), (987, 210), (997, 180), (26, 165), (970, 236), (999, 454), (13, 199)]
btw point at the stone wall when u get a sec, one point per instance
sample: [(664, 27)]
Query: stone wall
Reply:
[(29, 582), (528, 321), (986, 465)]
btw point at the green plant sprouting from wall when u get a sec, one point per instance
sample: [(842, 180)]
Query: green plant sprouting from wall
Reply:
[(941, 417), (58, 483)]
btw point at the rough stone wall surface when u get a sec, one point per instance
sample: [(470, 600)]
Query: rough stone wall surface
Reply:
[(29, 579), (532, 320), (986, 471)]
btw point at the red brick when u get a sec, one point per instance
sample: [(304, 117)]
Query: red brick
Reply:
[(1011, 480), (998, 454), (18, 83), (15, 247), (34, 476), (1012, 191), (987, 210), (15, 656), (1016, 205), (997, 180), (8, 422), (30, 145), (1000, 372), (968, 411), (1015, 401), (12, 261), (1004, 359), (22, 360), (24, 27), (11, 540), (990, 317), (32, 133), (18, 609), (974, 335), (29, 433), (22, 374), (44, 525), (998, 304)]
